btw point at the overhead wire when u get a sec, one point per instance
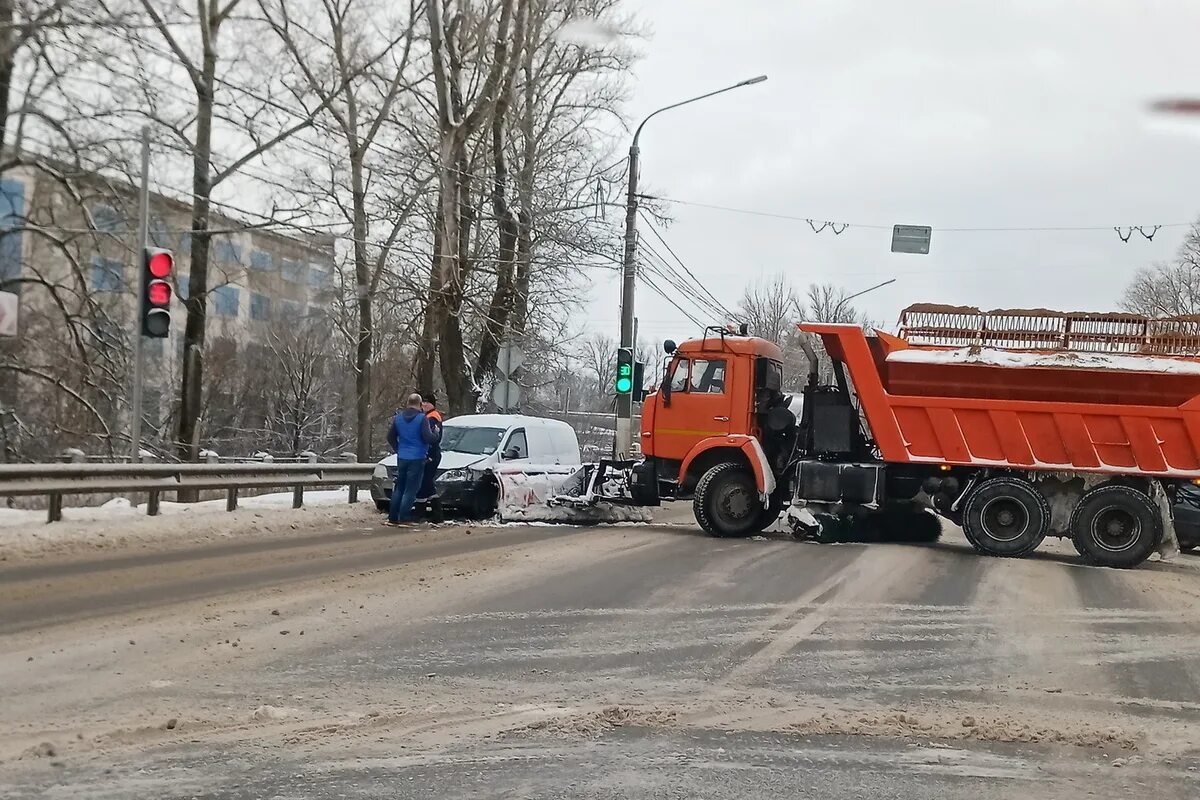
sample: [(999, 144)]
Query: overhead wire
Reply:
[(698, 283)]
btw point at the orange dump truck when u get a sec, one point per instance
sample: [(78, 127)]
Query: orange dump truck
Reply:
[(1015, 425)]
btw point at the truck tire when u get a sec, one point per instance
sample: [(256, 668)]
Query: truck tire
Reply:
[(771, 513), (907, 523), (726, 501), (1006, 517), (1116, 526)]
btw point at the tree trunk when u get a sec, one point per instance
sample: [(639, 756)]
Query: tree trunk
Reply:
[(365, 341), (191, 391), (8, 44)]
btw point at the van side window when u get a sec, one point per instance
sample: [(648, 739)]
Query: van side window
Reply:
[(516, 441), (679, 377), (708, 376)]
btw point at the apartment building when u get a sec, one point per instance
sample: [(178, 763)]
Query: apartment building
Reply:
[(68, 249)]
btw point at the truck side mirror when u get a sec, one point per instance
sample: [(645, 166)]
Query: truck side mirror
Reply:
[(666, 384), (669, 346)]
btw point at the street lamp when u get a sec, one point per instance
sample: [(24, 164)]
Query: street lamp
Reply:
[(624, 437), (838, 308)]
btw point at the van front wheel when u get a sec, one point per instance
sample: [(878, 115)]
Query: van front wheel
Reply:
[(726, 502)]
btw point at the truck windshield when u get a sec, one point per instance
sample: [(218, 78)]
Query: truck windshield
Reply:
[(473, 441)]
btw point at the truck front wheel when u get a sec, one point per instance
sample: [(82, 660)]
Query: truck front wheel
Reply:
[(726, 502)]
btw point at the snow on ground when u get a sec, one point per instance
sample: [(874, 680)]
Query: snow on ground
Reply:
[(118, 523)]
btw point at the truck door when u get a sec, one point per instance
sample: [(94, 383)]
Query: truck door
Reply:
[(699, 408)]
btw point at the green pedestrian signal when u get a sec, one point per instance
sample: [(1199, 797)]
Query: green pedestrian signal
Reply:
[(624, 381)]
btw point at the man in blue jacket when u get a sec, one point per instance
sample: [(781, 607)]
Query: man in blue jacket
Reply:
[(410, 436)]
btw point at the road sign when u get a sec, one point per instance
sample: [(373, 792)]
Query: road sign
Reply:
[(9, 303), (911, 239), (509, 359), (506, 395)]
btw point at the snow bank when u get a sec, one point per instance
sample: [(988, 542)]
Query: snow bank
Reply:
[(118, 524), (525, 493), (1066, 360), (121, 507)]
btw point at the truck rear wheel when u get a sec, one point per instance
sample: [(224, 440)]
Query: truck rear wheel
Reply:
[(1116, 526), (726, 501), (1006, 517)]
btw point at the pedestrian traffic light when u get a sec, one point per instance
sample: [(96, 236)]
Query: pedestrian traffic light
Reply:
[(624, 381), (639, 381), (157, 266)]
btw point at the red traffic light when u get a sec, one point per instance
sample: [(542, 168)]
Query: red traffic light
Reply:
[(159, 293), (160, 264)]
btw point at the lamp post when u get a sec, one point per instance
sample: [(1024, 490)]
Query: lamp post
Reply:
[(623, 444)]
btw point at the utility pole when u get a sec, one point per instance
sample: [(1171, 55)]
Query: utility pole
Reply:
[(623, 444), (139, 246)]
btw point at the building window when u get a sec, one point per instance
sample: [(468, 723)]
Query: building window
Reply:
[(293, 271), (260, 306), (290, 310), (106, 219), (225, 301), (261, 260), (108, 274), (181, 286), (317, 277), (227, 252), (12, 211)]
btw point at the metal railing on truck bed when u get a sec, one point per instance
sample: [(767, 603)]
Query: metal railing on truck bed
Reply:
[(56, 480)]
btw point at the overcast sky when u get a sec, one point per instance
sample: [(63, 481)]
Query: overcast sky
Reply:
[(954, 114)]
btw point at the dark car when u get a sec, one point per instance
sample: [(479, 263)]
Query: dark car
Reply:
[(1187, 517)]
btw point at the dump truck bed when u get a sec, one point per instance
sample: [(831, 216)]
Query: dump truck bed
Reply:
[(1022, 390)]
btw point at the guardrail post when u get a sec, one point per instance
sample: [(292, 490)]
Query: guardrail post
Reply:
[(231, 499), (298, 497), (55, 511), (352, 459), (152, 503)]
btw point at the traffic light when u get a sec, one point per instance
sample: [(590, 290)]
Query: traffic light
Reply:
[(624, 381), (639, 381), (157, 266)]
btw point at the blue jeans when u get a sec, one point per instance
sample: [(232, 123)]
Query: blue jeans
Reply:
[(409, 475)]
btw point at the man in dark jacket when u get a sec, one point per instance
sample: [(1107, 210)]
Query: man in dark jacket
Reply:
[(429, 406), (410, 436)]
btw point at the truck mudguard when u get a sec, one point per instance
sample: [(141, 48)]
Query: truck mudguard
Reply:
[(764, 478)]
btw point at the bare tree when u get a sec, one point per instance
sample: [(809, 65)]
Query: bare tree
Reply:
[(1168, 290), (356, 58), (771, 308), (212, 65), (459, 42)]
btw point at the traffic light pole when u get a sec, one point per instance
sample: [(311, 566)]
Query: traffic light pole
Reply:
[(623, 444), (143, 233)]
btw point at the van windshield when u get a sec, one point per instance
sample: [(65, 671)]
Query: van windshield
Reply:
[(473, 441)]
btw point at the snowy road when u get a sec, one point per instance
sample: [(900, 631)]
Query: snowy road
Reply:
[(643, 661)]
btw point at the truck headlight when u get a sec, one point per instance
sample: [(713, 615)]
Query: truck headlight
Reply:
[(380, 473)]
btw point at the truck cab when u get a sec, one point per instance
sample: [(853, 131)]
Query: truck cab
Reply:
[(715, 403)]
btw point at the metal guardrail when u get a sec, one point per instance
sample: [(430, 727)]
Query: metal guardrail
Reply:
[(56, 480)]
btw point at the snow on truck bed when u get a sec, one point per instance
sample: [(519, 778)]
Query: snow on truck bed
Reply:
[(1067, 360)]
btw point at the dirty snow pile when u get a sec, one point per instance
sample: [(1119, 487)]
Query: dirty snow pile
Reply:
[(525, 493)]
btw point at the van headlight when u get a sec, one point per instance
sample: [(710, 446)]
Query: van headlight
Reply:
[(380, 473)]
